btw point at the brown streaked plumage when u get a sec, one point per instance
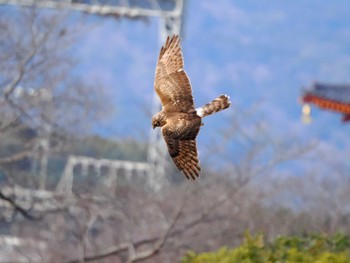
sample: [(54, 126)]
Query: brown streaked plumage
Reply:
[(179, 119)]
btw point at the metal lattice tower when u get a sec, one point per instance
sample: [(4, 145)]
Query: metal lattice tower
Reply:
[(170, 13), (157, 152)]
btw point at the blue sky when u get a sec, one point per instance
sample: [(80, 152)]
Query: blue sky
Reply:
[(261, 53), (258, 52)]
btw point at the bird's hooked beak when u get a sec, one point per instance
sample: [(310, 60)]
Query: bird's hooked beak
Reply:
[(154, 124)]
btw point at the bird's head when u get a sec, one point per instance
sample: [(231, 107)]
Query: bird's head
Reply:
[(158, 120), (155, 123)]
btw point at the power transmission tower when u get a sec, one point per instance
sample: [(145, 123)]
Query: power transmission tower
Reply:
[(170, 13), (157, 152)]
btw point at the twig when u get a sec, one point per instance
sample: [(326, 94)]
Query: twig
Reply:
[(159, 243), (18, 208), (15, 157)]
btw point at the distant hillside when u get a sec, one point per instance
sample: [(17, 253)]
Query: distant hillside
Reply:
[(98, 147)]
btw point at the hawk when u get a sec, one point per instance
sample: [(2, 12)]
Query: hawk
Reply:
[(179, 120)]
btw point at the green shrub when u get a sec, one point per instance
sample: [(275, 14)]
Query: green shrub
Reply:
[(309, 249)]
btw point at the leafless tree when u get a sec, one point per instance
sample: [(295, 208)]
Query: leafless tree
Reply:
[(41, 101)]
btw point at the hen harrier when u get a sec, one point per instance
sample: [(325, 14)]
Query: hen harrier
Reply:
[(179, 120)]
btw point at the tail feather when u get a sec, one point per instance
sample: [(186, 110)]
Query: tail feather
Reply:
[(220, 103)]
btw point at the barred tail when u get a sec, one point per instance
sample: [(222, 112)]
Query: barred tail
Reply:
[(219, 104)]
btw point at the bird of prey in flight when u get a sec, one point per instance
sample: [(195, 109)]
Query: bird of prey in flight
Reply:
[(179, 119)]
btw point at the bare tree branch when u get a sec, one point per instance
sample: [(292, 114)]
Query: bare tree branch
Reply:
[(15, 157), (157, 242), (161, 241), (171, 232), (18, 208), (22, 65)]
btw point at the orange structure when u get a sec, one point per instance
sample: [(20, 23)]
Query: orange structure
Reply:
[(329, 97)]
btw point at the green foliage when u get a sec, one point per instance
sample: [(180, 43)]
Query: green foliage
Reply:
[(309, 249)]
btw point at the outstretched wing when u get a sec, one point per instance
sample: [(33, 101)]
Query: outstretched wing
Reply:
[(184, 155), (171, 81)]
